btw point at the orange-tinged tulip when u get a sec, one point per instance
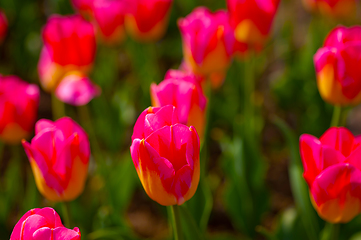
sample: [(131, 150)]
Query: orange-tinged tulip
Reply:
[(147, 20), (332, 170), (165, 154), (337, 66), (59, 157), (332, 8), (208, 41), (183, 92), (69, 45)]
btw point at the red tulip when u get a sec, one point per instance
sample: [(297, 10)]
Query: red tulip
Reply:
[(332, 8), (252, 21), (183, 92), (43, 224), (332, 170), (166, 156), (59, 157), (109, 19), (69, 44), (3, 25), (337, 66), (19, 103), (147, 20)]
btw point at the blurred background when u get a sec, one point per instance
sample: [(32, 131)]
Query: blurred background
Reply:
[(114, 204)]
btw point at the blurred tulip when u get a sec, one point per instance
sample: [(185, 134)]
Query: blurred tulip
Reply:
[(183, 92), (19, 103), (109, 19), (207, 41), (59, 157), (332, 8), (166, 156), (76, 89), (337, 66), (69, 44), (147, 20), (84, 7), (332, 170), (44, 224), (3, 25), (252, 21)]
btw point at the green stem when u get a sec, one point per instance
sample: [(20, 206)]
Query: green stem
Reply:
[(58, 107), (336, 117), (331, 231), (66, 214), (175, 219)]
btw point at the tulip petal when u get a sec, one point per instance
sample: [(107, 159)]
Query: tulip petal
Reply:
[(31, 224), (340, 139), (182, 183), (156, 174), (15, 235), (336, 193), (310, 149), (43, 124), (164, 116)]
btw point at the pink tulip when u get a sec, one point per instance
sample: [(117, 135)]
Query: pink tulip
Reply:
[(109, 19), (43, 224), (208, 41), (332, 8), (147, 20), (252, 21), (165, 154), (76, 89), (59, 157), (19, 103), (3, 25), (332, 170), (69, 44), (183, 92), (337, 66)]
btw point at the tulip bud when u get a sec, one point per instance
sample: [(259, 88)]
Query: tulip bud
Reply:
[(333, 8), (147, 20), (69, 44), (252, 20), (3, 25), (183, 92), (165, 154), (59, 157), (208, 41), (337, 66), (76, 89), (44, 224), (332, 170), (109, 19), (19, 103)]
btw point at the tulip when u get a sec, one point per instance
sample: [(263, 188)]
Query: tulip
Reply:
[(207, 41), (3, 25), (147, 20), (252, 20), (183, 92), (337, 66), (76, 89), (69, 44), (19, 103), (332, 8), (165, 154), (44, 224), (109, 19), (332, 170), (59, 157), (85, 7)]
